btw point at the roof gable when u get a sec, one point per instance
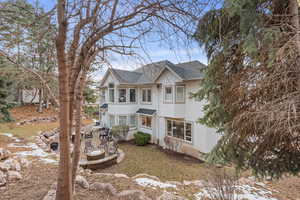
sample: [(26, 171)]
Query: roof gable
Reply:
[(151, 72)]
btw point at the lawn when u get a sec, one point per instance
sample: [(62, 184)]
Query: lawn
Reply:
[(26, 131), (153, 160)]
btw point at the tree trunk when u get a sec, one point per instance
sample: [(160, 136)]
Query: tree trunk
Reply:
[(64, 181), (294, 12), (41, 96), (77, 142)]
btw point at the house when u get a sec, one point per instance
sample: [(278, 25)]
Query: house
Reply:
[(155, 99)]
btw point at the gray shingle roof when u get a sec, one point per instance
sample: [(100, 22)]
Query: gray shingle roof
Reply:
[(146, 111), (148, 73)]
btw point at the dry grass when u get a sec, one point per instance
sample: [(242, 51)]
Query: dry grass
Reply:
[(29, 130), (165, 165)]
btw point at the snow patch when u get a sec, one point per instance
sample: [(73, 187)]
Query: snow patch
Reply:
[(36, 151), (147, 182), (48, 160), (11, 136), (244, 192)]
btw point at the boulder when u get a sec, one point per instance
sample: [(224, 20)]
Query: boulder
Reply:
[(169, 196), (4, 166), (82, 182), (105, 187), (4, 154), (24, 162), (2, 179), (133, 194), (121, 176), (14, 176), (13, 164)]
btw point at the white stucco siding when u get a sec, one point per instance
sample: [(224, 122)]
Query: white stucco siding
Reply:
[(120, 109), (204, 138), (30, 96)]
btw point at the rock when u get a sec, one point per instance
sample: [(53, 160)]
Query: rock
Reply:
[(4, 166), (4, 154), (133, 194), (13, 164), (82, 182), (50, 195), (88, 171), (121, 176), (198, 183), (2, 179), (146, 176), (104, 186), (14, 176), (24, 162), (169, 196)]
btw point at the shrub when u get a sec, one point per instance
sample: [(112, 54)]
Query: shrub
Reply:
[(91, 111), (141, 139), (120, 132)]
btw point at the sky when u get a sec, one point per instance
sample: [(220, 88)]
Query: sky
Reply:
[(155, 52)]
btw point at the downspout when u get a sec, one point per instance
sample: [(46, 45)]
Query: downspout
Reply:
[(157, 120)]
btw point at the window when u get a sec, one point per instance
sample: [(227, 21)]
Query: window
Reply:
[(132, 121), (146, 95), (168, 94), (146, 121), (169, 127), (111, 91), (122, 95), (132, 95), (188, 132), (123, 120), (179, 129), (112, 121), (180, 97)]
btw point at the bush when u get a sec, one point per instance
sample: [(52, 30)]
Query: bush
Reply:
[(120, 132), (91, 111), (141, 139)]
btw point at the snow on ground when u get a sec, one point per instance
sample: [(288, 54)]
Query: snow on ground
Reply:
[(35, 151), (11, 136), (245, 192), (147, 182)]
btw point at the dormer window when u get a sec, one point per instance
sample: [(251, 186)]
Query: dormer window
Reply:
[(132, 95), (111, 92), (146, 95), (122, 95), (168, 97), (180, 94)]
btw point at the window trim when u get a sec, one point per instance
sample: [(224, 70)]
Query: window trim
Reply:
[(109, 92), (180, 86), (147, 91), (135, 121), (185, 122), (126, 123), (109, 117), (125, 95), (164, 93), (129, 100)]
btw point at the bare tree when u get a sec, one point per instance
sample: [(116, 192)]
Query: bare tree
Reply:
[(90, 30)]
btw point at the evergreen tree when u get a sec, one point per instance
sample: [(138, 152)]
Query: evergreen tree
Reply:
[(5, 85), (251, 85)]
